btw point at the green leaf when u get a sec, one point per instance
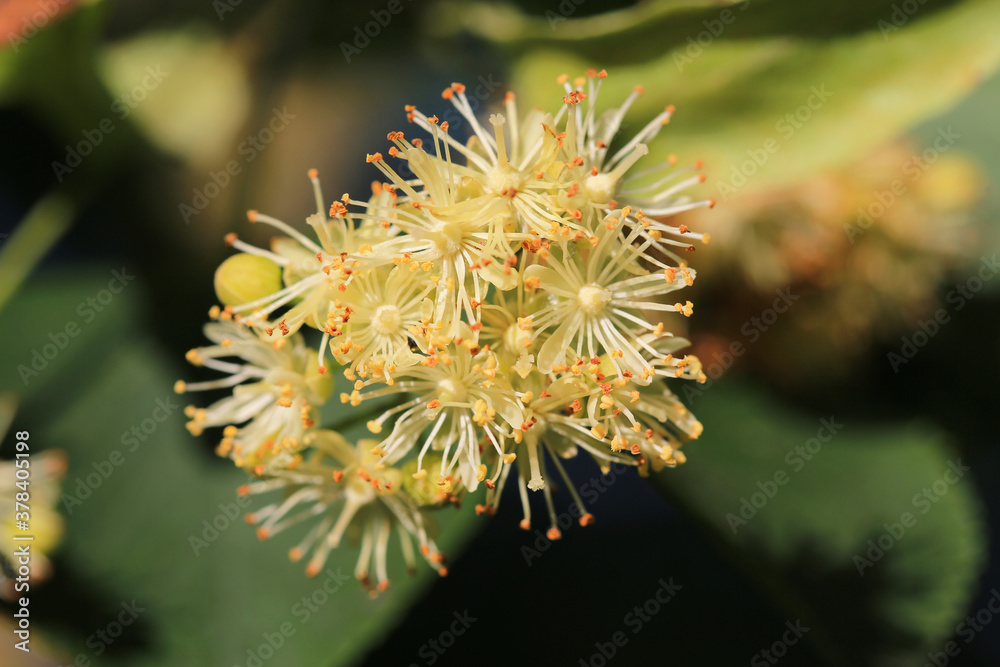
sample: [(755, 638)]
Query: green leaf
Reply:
[(737, 91), (506, 24), (67, 323), (805, 527)]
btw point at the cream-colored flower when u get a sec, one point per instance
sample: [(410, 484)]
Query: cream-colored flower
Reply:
[(277, 388), (599, 294), (505, 302), (340, 486), (29, 491), (558, 424), (372, 325), (459, 396)]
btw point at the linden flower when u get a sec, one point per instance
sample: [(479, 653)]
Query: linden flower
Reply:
[(457, 388), (595, 184), (513, 184), (372, 323), (500, 301), (550, 177), (556, 423), (46, 523), (344, 487), (649, 421), (506, 326), (598, 293), (47, 471), (464, 246), (314, 273), (276, 384)]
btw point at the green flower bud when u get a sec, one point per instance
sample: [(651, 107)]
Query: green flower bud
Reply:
[(244, 278)]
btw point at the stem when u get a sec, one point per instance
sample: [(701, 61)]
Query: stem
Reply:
[(30, 242)]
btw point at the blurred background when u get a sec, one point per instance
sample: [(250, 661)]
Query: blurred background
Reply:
[(840, 508)]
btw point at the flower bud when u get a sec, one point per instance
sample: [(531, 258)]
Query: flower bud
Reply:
[(244, 278)]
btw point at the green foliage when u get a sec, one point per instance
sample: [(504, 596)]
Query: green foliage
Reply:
[(808, 544)]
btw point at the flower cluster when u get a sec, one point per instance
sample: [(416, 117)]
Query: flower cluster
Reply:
[(867, 258), (494, 300), (47, 471)]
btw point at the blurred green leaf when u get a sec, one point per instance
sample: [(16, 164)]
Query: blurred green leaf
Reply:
[(734, 92), (33, 238), (808, 537), (506, 24), (45, 360), (130, 537)]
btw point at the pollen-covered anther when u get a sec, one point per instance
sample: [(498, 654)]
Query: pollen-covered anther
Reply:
[(685, 309)]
